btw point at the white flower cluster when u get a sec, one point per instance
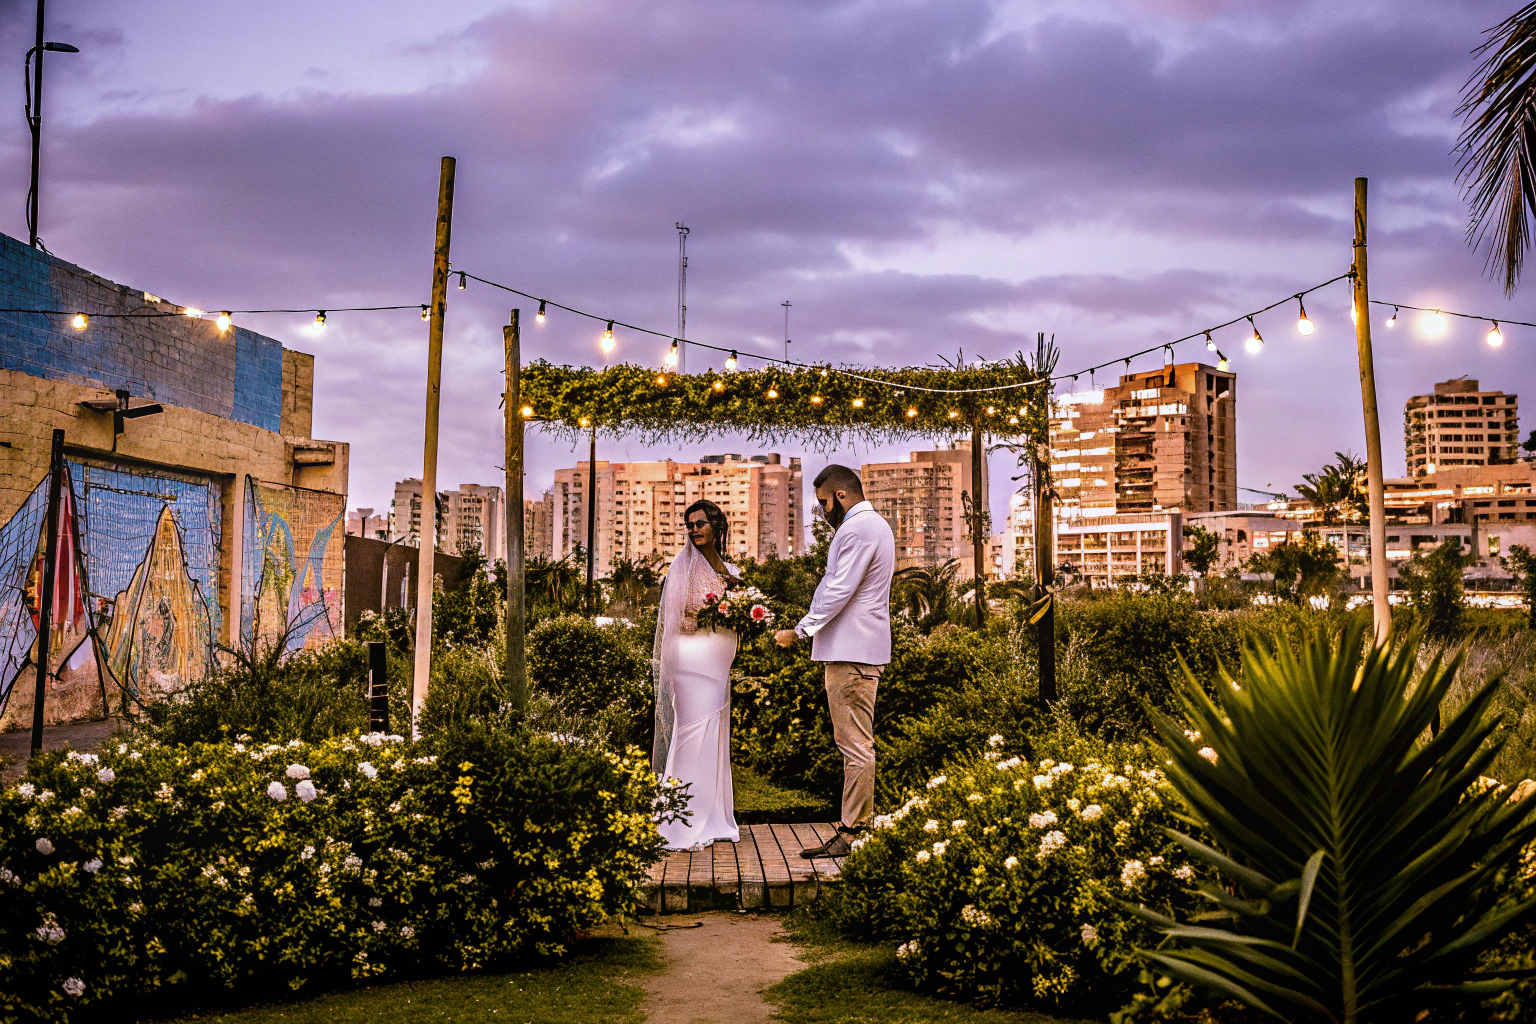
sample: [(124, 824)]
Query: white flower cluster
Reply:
[(9, 877), (958, 825), (1184, 873), (922, 856), (297, 771), (73, 987), (50, 932), (1209, 753), (995, 740), (939, 847), (366, 768), (79, 758), (407, 932), (306, 853), (906, 949), (913, 804), (1042, 819), (306, 790), (1050, 843), (378, 739), (1092, 812), (1113, 781), (1044, 781), (1011, 763), (353, 862), (937, 781), (1132, 874), (92, 866), (277, 791), (931, 825), (44, 846), (973, 917), (1090, 934), (1011, 863)]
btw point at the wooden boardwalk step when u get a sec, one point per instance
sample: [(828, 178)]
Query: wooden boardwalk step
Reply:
[(762, 871)]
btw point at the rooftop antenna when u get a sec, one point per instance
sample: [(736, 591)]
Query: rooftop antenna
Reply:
[(785, 304), (682, 297)]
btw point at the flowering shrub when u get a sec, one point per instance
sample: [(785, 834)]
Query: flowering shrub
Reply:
[(183, 871), (1001, 879)]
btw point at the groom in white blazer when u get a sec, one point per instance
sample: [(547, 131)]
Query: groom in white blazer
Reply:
[(849, 624)]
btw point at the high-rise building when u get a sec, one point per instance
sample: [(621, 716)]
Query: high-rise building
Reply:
[(639, 506), (922, 500), (1159, 441), (1460, 425), (472, 515), (539, 526), (361, 522)]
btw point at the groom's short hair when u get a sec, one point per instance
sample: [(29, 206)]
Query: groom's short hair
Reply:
[(839, 478)]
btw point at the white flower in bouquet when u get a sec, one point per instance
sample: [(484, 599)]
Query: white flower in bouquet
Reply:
[(277, 791), (297, 771)]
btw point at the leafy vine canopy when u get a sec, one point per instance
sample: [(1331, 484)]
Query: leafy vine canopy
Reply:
[(821, 405)]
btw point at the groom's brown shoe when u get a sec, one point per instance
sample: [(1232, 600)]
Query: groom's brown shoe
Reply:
[(840, 845)]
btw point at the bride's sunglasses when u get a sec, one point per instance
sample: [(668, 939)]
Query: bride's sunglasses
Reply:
[(697, 524)]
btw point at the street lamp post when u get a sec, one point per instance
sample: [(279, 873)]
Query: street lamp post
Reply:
[(35, 110)]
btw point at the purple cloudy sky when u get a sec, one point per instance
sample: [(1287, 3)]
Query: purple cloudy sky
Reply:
[(916, 177)]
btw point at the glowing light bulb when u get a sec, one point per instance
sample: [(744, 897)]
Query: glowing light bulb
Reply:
[(1013, 421), (1392, 320), (773, 393), (911, 413), (1495, 336), (954, 414), (719, 385), (320, 320), (991, 411), (1210, 342), (462, 280), (527, 412), (1354, 314), (1023, 412), (584, 422), (1303, 324), (1222, 364), (1433, 323), (426, 311), (858, 403), (192, 311), (539, 316), (730, 360), (661, 380), (80, 322), (823, 373), (815, 399), (607, 344), (1256, 342), (223, 322), (670, 359)]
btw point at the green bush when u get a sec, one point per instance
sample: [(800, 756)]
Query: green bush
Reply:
[(1002, 880), (603, 672), (229, 871)]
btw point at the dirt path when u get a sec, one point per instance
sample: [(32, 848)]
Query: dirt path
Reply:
[(716, 973)]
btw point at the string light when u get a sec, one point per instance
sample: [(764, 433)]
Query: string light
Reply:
[(527, 412), (911, 412), (1013, 421), (671, 358), (80, 322), (539, 316), (1303, 324), (224, 320), (320, 320), (1433, 323), (1255, 343), (462, 278), (584, 422), (1392, 320), (426, 311), (719, 385), (661, 380), (192, 311), (954, 414), (1210, 342), (1221, 361), (773, 392), (1495, 336), (815, 399), (607, 344), (730, 360), (858, 403)]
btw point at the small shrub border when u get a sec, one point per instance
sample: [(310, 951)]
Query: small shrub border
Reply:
[(218, 871)]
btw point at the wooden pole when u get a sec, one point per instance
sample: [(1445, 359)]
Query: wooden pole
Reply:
[(1045, 576), (592, 526), (1381, 607), (45, 590), (517, 667), (978, 520), (422, 674)]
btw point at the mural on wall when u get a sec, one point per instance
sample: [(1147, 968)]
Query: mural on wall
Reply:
[(139, 572), (291, 582)]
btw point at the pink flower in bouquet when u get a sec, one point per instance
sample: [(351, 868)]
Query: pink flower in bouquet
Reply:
[(725, 607), (759, 613), (710, 597)]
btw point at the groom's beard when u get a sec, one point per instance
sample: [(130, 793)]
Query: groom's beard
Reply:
[(836, 513)]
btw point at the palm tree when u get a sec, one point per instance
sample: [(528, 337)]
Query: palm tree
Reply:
[(1498, 144), (630, 581), (925, 593)]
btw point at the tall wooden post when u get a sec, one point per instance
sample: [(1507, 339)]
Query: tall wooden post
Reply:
[(1381, 607), (1045, 576), (422, 674), (45, 591), (592, 526), (978, 520), (516, 667)]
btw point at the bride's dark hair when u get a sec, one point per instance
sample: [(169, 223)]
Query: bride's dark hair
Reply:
[(716, 519)]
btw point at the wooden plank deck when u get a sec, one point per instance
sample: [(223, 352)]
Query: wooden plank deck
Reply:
[(762, 871)]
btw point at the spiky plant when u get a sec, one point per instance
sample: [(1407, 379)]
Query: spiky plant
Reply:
[(1366, 857)]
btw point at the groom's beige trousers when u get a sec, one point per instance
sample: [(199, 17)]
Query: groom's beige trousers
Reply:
[(851, 699)]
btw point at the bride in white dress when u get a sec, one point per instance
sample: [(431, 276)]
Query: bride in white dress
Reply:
[(692, 669)]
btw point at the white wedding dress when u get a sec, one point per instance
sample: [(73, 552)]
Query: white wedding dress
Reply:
[(693, 704)]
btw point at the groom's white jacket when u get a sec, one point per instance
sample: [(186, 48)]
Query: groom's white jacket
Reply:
[(850, 615)]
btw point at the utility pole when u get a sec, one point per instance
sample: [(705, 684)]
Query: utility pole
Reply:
[(978, 519), (785, 304), (517, 666), (682, 307), (45, 591), (35, 115), (592, 524), (1044, 516), (422, 674), (1380, 605)]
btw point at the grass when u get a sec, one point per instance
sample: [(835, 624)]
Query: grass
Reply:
[(760, 802), (595, 985), (848, 983)]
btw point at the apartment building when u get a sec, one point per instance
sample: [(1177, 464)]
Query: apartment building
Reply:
[(472, 515), (1158, 441), (361, 522), (640, 505), (1100, 550), (921, 499), (1460, 425), (539, 526)]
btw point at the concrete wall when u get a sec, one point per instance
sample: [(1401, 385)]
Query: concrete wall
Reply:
[(372, 587)]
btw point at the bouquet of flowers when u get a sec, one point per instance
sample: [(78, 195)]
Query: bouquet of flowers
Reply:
[(743, 609)]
